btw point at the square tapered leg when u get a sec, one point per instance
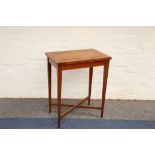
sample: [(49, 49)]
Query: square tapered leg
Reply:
[(105, 77), (59, 84), (90, 84), (49, 69)]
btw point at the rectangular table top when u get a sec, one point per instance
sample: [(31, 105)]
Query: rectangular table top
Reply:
[(77, 56)]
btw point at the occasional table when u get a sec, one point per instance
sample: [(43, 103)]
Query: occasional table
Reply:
[(76, 59)]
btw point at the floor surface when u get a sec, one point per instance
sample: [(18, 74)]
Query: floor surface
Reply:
[(114, 109)]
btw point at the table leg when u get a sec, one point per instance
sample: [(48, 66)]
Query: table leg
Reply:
[(90, 83), (59, 83), (105, 77), (49, 84)]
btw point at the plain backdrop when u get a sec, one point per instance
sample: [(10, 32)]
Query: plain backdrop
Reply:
[(24, 70)]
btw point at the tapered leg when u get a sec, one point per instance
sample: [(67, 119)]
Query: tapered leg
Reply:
[(49, 69), (59, 83), (105, 77), (90, 83)]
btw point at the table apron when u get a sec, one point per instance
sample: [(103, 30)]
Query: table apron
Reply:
[(82, 65)]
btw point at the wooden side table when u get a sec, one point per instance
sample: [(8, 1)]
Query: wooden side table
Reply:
[(75, 59)]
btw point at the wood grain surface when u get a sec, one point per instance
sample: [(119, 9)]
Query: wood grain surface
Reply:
[(76, 56)]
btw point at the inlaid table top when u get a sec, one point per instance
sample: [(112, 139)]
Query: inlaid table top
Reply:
[(76, 56)]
